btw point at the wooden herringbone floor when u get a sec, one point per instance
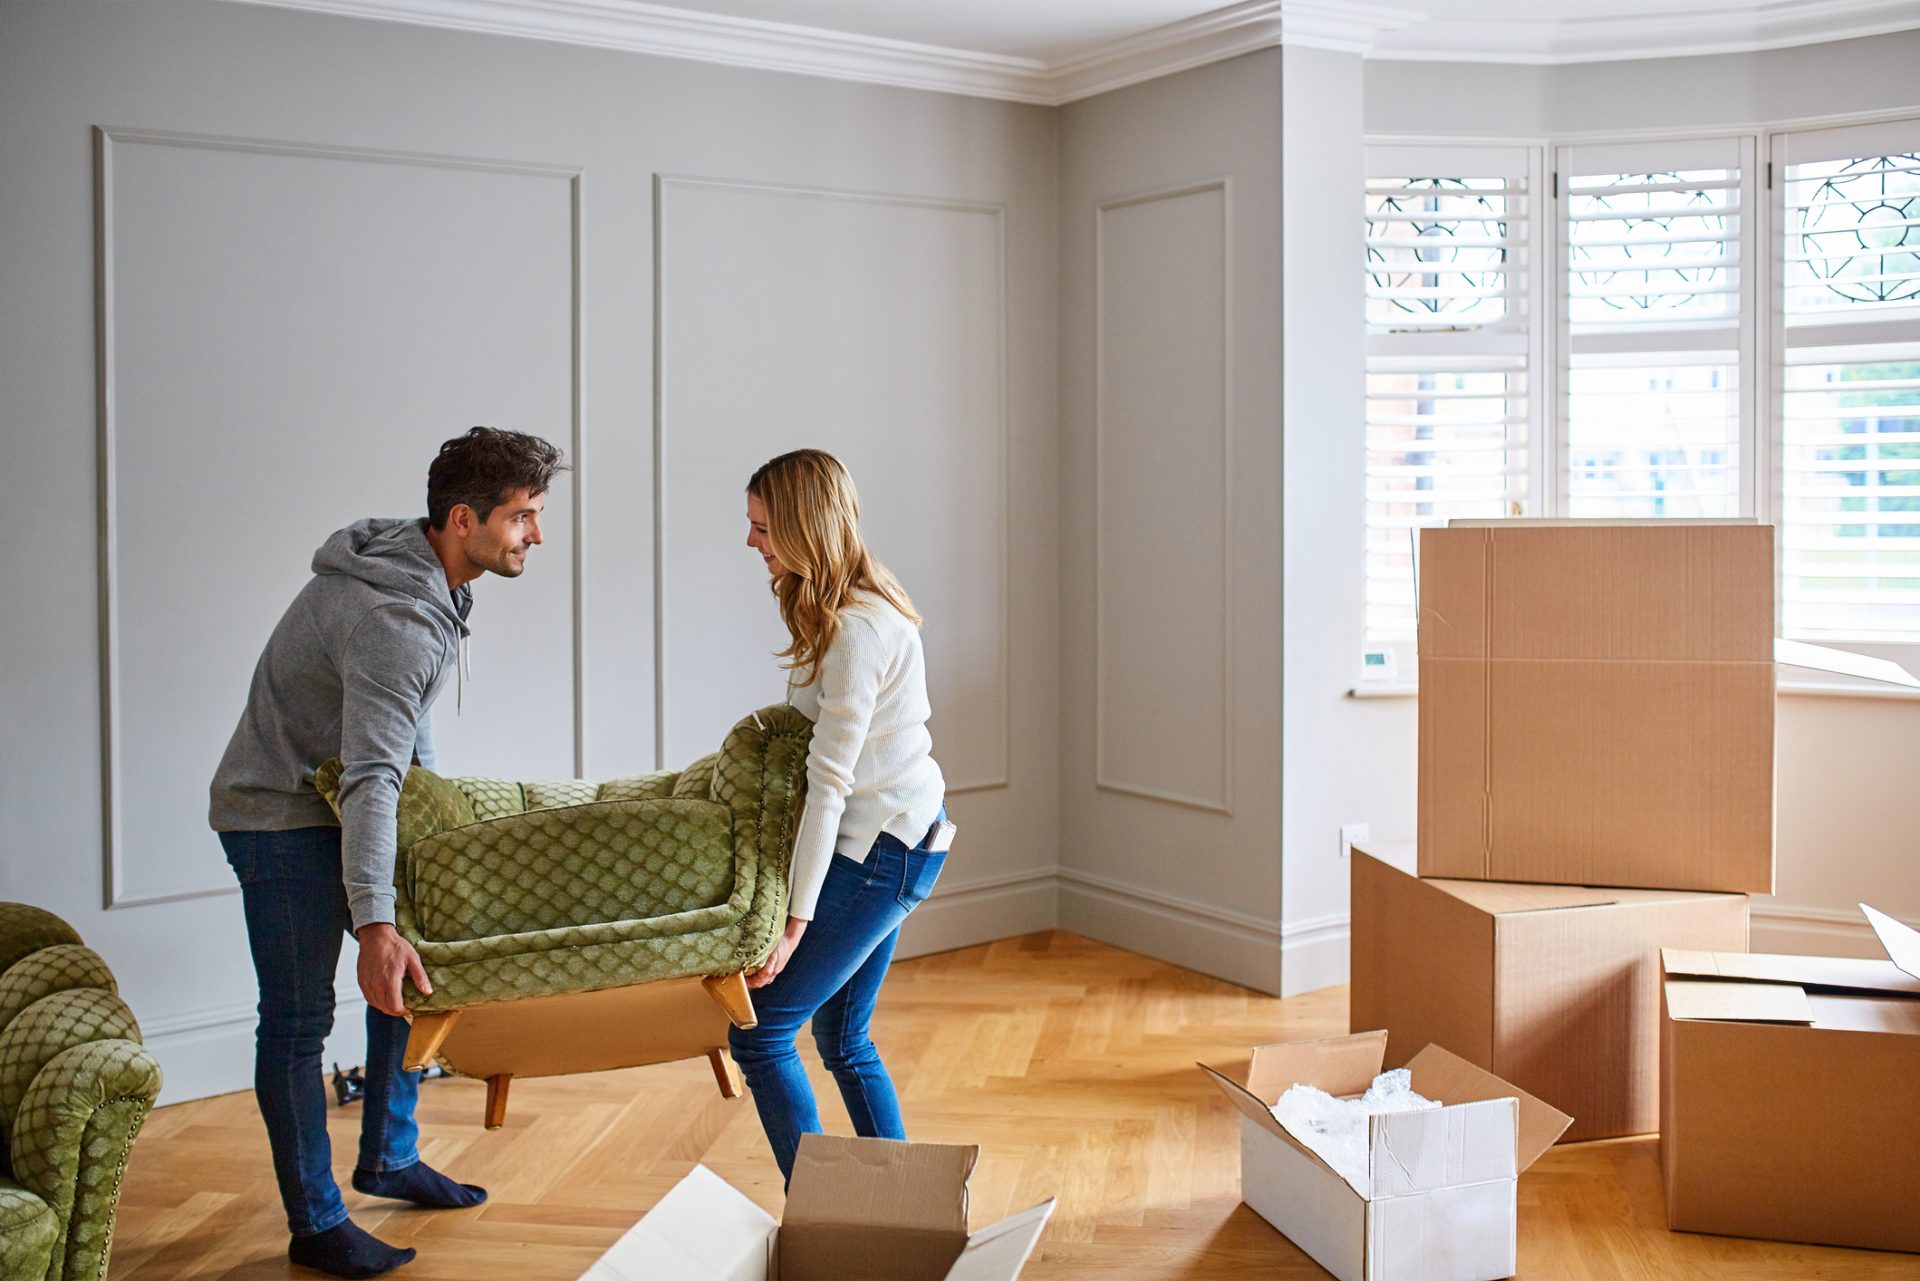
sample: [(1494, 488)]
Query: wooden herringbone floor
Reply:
[(1069, 1062)]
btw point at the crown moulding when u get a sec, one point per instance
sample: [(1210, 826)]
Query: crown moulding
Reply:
[(1360, 28)]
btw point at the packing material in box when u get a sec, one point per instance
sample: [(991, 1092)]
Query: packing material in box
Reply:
[(1553, 987), (1438, 1201), (857, 1210), (1790, 1095), (1596, 703)]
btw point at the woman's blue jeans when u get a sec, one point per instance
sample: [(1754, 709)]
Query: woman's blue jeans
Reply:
[(296, 910), (833, 978)]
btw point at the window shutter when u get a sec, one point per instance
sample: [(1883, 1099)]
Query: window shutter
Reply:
[(1849, 409), (1449, 281)]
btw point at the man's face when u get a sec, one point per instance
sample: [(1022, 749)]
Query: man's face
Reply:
[(500, 543)]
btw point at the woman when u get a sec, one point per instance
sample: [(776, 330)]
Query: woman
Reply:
[(873, 832)]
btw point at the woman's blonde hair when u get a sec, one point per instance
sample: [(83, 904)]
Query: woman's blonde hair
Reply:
[(813, 527)]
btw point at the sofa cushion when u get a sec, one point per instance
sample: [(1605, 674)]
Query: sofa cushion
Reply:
[(50, 1025), (60, 968), (584, 865), (25, 929), (428, 803), (27, 1233)]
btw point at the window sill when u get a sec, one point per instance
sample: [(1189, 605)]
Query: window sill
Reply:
[(1797, 689)]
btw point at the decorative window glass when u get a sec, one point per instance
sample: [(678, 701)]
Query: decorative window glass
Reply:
[(1449, 354), (1849, 418)]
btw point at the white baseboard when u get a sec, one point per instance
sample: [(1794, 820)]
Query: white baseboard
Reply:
[(1313, 953), (981, 911), (1231, 945)]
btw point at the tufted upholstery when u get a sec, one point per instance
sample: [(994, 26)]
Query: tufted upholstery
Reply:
[(578, 886), (75, 1085)]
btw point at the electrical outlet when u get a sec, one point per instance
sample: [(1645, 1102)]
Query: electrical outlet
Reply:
[(1352, 834)]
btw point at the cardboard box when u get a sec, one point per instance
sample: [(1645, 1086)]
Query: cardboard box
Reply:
[(1790, 1095), (1555, 988), (857, 1210), (1596, 703), (1439, 1201)]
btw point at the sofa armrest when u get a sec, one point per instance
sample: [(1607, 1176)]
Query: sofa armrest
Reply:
[(72, 1136)]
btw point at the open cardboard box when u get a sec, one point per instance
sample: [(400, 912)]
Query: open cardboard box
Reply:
[(1790, 1094), (1553, 987), (1439, 1200), (857, 1210), (1597, 702)]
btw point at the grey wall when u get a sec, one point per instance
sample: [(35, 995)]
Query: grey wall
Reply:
[(1170, 518), (330, 244)]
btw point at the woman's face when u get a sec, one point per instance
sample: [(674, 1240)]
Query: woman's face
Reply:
[(757, 535)]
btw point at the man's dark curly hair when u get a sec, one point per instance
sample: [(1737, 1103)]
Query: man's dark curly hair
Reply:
[(482, 467)]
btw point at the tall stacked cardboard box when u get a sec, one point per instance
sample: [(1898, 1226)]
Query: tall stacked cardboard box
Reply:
[(1596, 783)]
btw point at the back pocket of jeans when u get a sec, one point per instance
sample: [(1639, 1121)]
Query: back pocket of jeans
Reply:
[(922, 870)]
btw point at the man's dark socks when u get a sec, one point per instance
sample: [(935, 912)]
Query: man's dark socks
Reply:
[(420, 1184), (345, 1250)]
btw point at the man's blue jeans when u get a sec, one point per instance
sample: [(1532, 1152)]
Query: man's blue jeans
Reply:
[(833, 978), (296, 911)]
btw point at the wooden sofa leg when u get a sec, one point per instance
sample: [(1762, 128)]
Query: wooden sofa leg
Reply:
[(428, 1035), (497, 1100), (730, 990), (731, 1087)]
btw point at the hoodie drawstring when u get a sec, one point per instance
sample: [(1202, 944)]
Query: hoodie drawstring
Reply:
[(462, 669)]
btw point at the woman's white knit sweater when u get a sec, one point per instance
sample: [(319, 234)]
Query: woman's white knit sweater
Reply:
[(870, 768)]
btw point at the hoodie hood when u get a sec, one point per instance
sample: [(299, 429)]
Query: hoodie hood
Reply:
[(392, 554)]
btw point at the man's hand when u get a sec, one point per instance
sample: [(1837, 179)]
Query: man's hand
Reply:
[(782, 952), (385, 959)]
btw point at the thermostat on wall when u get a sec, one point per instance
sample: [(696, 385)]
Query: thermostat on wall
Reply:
[(1377, 665)]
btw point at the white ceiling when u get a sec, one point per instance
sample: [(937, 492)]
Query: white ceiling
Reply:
[(1053, 51)]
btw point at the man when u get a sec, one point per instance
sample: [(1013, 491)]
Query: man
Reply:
[(350, 671)]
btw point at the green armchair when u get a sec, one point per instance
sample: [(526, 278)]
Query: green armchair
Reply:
[(577, 926), (75, 1086)]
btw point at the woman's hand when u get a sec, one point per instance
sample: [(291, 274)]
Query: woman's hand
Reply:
[(782, 952)]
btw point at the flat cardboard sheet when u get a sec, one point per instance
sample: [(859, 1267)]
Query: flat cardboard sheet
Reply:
[(702, 1230), (1837, 973), (1902, 942), (1618, 734), (1738, 1002)]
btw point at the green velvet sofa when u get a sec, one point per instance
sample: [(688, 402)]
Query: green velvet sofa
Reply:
[(541, 910), (75, 1086)]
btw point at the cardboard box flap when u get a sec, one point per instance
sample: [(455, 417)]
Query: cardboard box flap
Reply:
[(1720, 1002), (1496, 898), (1902, 942), (1337, 1064), (1261, 1114), (1451, 1079), (880, 1183), (1840, 973), (1841, 662), (702, 1230), (999, 1252)]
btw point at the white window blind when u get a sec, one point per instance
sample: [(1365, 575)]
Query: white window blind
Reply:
[(1848, 217), (1656, 301), (1449, 284)]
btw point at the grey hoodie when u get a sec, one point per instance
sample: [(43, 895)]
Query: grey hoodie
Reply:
[(350, 671)]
